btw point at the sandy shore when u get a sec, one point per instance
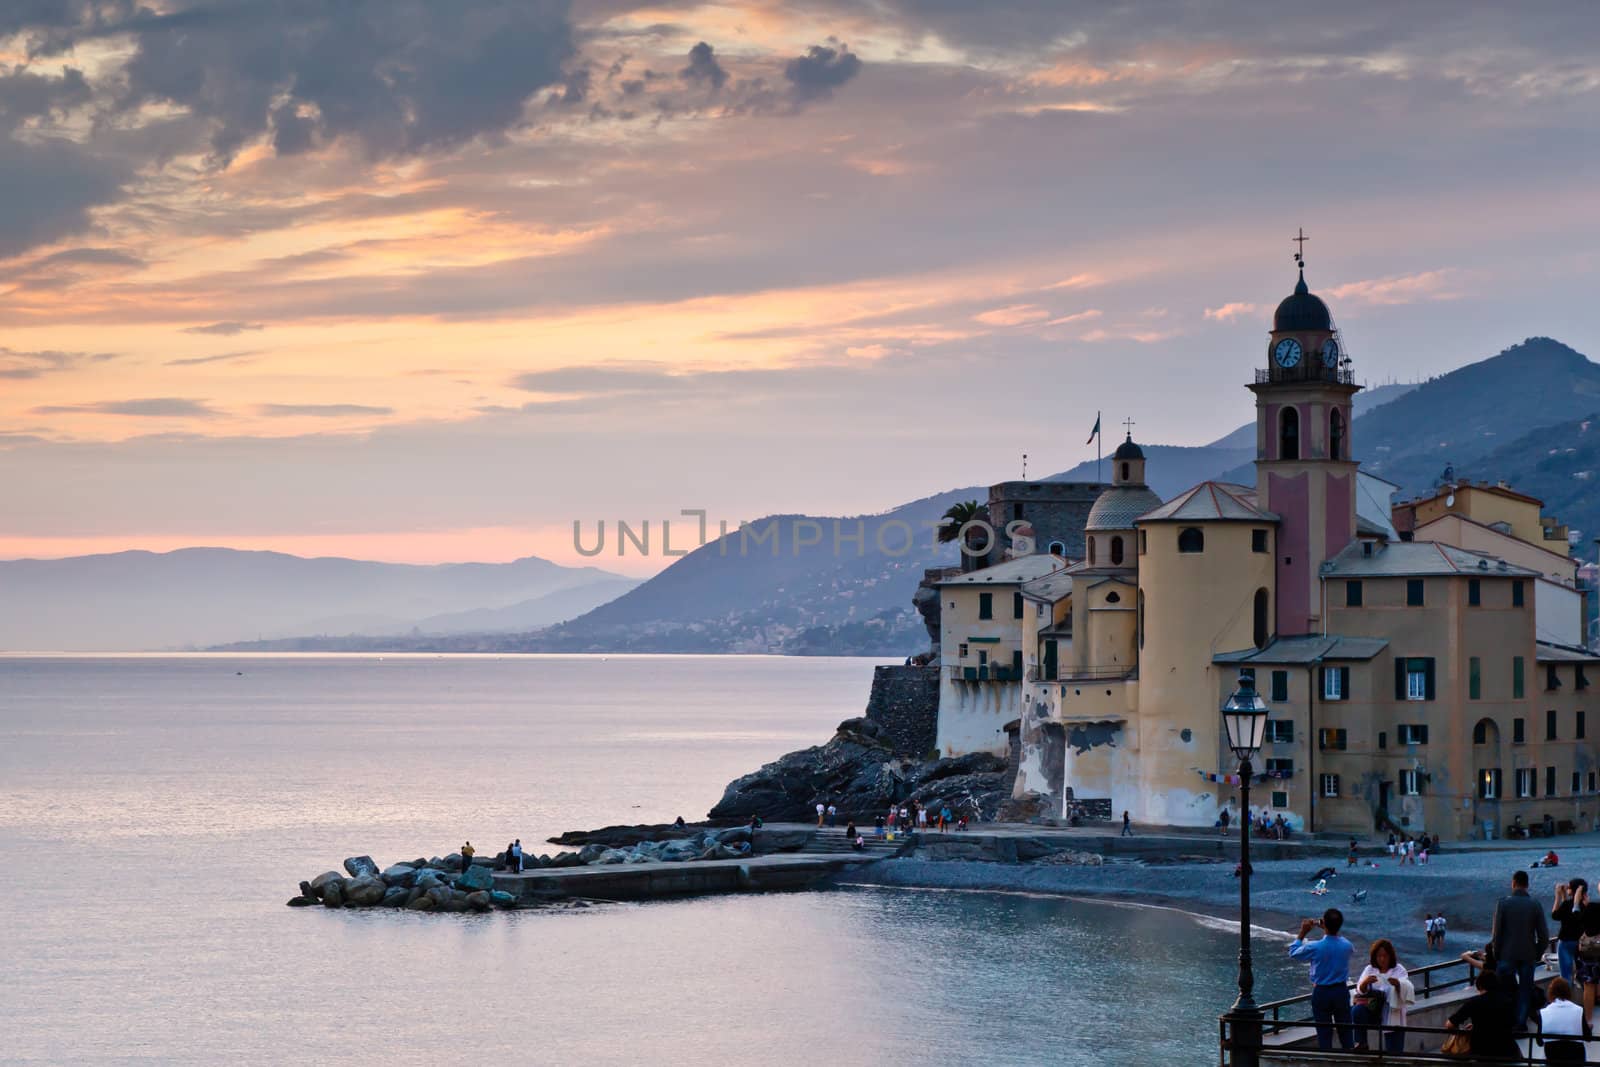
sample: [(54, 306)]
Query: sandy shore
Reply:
[(1464, 885)]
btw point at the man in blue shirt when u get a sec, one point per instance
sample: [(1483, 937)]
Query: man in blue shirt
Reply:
[(1329, 956)]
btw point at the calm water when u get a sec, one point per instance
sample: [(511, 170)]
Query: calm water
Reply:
[(155, 813)]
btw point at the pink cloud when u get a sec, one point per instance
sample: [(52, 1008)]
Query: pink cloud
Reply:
[(1082, 316), (1012, 315), (1402, 288), (1229, 312)]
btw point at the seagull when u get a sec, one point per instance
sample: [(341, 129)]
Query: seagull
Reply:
[(1358, 896)]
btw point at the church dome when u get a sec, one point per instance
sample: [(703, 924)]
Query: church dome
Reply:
[(1301, 311), (1117, 507), (1128, 450)]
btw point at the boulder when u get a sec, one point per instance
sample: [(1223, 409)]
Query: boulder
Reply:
[(365, 891), (476, 878), (565, 859), (501, 898), (677, 851), (301, 901), (422, 903), (733, 835), (592, 852), (395, 897), (321, 881), (609, 855), (400, 874), (437, 864), (360, 865), (767, 841), (453, 862), (622, 836), (854, 771), (454, 904), (478, 901), (427, 878), (333, 894), (439, 894), (307, 891)]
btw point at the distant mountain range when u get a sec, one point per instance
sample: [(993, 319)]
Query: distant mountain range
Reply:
[(206, 596), (1526, 416)]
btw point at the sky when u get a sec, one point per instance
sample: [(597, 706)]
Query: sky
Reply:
[(432, 280)]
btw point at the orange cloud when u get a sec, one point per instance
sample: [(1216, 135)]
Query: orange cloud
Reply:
[(1402, 288), (1235, 310), (1012, 315)]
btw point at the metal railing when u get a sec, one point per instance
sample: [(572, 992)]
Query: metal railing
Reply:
[(1094, 672), (1428, 981)]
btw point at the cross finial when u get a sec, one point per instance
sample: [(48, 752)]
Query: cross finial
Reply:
[(1129, 423), (1300, 240)]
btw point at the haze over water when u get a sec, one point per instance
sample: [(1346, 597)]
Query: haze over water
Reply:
[(157, 812)]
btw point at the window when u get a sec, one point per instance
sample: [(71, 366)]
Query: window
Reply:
[(1578, 679), (1413, 592), (1116, 551), (1289, 434), (1552, 679), (1280, 731), (1474, 592), (1577, 726), (1141, 615), (1516, 593), (1334, 739), (1519, 733), (1413, 733), (1480, 732), (1527, 782), (1550, 725), (1516, 677), (1124, 472), (1335, 434), (1113, 597), (1591, 782), (1330, 785), (1474, 679), (1258, 540), (1352, 594), (1577, 783), (1016, 605), (1016, 511), (1280, 799), (1549, 781), (1280, 686), (1282, 766), (1039, 610), (1383, 740), (1489, 784), (1410, 783), (1058, 549), (1091, 550), (1144, 542), (1191, 539), (963, 651), (1413, 678), (985, 605), (1259, 621), (1335, 683)]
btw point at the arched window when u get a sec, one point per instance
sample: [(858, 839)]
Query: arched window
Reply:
[(1191, 539), (1261, 619), (1336, 435), (1116, 551), (1124, 472), (1289, 434), (1058, 549), (1113, 597), (1091, 551)]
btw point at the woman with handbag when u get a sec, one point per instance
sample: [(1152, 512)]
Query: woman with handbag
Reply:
[(1485, 1022), (1380, 997)]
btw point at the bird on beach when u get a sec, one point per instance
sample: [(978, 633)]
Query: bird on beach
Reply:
[(1358, 896)]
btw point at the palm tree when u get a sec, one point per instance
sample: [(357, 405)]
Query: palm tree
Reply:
[(956, 517)]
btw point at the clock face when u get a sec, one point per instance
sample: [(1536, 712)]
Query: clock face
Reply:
[(1287, 352), (1330, 353)]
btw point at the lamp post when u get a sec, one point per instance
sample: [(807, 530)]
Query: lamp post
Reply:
[(1244, 717)]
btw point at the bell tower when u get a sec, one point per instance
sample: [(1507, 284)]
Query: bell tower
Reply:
[(1304, 472)]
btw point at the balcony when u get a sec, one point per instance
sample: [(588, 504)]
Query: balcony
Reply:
[(990, 672), (1095, 673)]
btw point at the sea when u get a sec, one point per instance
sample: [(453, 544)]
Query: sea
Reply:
[(157, 811)]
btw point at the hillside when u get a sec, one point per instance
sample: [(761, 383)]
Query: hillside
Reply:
[(1559, 464), (201, 596)]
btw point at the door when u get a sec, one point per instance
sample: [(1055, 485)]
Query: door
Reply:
[(1050, 660)]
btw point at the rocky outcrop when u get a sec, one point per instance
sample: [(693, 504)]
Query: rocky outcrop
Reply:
[(858, 773)]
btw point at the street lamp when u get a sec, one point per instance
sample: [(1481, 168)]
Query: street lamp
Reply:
[(1244, 717)]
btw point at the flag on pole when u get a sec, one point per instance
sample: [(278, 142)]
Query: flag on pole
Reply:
[(1096, 431)]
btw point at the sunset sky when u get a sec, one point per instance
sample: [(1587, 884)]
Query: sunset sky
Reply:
[(428, 281)]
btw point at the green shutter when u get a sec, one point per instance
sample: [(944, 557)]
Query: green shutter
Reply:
[(1427, 667), (1516, 677), (1344, 683), (1474, 679), (1399, 678)]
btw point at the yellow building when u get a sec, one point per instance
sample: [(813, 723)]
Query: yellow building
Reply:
[(1433, 683)]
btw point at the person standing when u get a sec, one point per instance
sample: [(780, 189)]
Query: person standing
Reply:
[(822, 811), (922, 817), (516, 854), (1438, 931), (1222, 820), (1427, 929), (1127, 825), (1329, 957), (1568, 915), (879, 823), (466, 856), (833, 814), (1350, 860), (1519, 937), (850, 830)]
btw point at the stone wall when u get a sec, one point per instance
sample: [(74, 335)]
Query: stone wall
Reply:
[(905, 703), (1057, 511)]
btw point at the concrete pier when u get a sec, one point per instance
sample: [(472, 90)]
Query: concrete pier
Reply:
[(646, 881)]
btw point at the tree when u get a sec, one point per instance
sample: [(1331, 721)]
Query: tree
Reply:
[(956, 517)]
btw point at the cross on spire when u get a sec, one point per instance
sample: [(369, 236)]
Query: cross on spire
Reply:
[(1129, 423), (1300, 240)]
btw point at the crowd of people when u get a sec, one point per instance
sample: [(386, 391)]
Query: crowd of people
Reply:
[(1507, 1004)]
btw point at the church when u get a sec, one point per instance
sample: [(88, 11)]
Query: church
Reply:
[(1423, 662)]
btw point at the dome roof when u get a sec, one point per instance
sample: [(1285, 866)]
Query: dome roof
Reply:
[(1117, 507), (1301, 310), (1129, 450)]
